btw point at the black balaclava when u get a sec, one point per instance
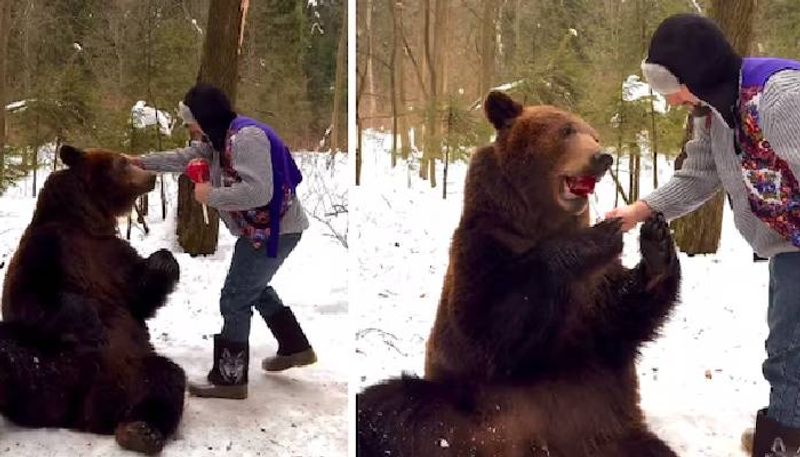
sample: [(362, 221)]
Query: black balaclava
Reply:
[(694, 49), (212, 110)]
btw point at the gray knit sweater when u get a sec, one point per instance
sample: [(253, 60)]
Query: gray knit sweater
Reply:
[(251, 159), (712, 164)]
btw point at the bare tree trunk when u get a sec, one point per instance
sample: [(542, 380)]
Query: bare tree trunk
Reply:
[(487, 50), (5, 23), (359, 117), (696, 233), (403, 124), (736, 18), (442, 33), (517, 29), (358, 152), (223, 39), (419, 69), (340, 86), (432, 44), (616, 167), (487, 47), (631, 173), (55, 151), (403, 121), (144, 201), (26, 48), (35, 157), (620, 99), (637, 159), (393, 79), (654, 139), (371, 95), (449, 125), (700, 232), (220, 67)]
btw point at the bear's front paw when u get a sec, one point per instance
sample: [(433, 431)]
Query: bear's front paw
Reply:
[(658, 250), (164, 263), (140, 437), (607, 235)]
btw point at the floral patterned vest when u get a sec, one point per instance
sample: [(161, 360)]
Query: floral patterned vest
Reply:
[(773, 190)]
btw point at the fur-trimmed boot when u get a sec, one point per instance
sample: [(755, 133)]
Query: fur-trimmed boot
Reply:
[(294, 349), (228, 377), (771, 439)]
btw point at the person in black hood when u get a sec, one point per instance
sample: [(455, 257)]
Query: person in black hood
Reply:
[(253, 180), (749, 146), (206, 110), (695, 54)]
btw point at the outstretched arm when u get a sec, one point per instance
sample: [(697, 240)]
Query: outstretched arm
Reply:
[(174, 161), (694, 184)]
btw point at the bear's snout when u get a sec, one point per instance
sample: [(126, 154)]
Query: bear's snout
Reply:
[(601, 162), (143, 180)]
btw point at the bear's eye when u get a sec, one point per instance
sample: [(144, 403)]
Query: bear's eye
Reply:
[(119, 165)]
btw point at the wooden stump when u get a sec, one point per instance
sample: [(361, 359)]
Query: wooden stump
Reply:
[(700, 231), (194, 236)]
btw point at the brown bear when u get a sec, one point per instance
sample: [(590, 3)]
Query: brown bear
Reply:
[(533, 349), (75, 350)]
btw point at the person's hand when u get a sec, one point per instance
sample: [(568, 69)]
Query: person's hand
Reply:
[(631, 215), (134, 160), (201, 192)]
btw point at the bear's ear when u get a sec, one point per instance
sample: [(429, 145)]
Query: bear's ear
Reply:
[(501, 110), (70, 155)]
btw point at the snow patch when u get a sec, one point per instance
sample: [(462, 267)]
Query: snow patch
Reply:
[(143, 116), (20, 106), (633, 89)]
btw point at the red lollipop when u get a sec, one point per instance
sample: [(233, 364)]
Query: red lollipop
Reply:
[(581, 185), (198, 171)]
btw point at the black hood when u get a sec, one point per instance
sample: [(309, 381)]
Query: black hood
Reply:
[(694, 49), (212, 110)]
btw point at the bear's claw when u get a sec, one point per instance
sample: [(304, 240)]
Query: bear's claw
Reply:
[(658, 250), (139, 436), (163, 262)]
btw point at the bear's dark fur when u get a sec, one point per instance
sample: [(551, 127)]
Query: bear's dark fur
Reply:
[(539, 324), (75, 351)]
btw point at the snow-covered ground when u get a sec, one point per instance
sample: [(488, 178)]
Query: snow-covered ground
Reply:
[(701, 382), (301, 412)]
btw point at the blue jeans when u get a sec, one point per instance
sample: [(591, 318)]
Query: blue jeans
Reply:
[(782, 367), (247, 286)]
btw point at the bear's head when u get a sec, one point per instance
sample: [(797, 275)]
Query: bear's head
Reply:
[(110, 179), (549, 161), (97, 186)]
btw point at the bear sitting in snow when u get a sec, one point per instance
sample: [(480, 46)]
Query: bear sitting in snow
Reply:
[(539, 324), (75, 351)]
